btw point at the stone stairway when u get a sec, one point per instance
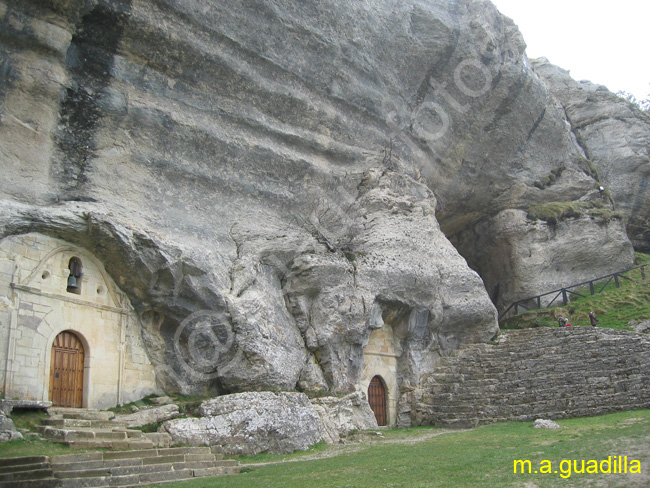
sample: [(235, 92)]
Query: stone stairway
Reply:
[(94, 429), (533, 373), (115, 468), (27, 472)]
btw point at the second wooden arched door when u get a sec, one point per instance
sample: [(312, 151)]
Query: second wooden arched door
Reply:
[(377, 400)]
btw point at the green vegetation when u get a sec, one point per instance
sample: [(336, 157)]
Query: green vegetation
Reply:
[(587, 166), (554, 212), (483, 457), (128, 408), (550, 179), (33, 446), (264, 458), (28, 419), (187, 404), (614, 307)]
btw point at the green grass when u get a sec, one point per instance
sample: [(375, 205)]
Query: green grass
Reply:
[(30, 445), (482, 457), (614, 307), (269, 458), (33, 447), (28, 419)]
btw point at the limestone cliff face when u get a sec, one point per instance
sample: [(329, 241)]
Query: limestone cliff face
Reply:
[(270, 181), (615, 136), (520, 258)]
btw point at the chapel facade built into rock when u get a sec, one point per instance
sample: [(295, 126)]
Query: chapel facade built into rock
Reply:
[(76, 346)]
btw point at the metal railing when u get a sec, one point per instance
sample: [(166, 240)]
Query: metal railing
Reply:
[(535, 303)]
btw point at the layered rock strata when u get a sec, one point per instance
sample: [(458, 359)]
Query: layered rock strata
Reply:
[(615, 136), (269, 181)]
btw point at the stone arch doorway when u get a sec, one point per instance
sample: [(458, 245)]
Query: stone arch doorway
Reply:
[(377, 400), (67, 370)]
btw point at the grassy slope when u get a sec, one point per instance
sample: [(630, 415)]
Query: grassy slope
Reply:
[(482, 457), (614, 307)]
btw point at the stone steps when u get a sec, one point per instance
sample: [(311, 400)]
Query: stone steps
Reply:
[(27, 472), (95, 429), (99, 439), (548, 372), (72, 423), (138, 468), (80, 413), (449, 383), (115, 468)]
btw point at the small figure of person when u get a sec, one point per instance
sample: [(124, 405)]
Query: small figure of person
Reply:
[(593, 319), (562, 321)]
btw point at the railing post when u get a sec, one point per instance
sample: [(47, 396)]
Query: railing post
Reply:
[(516, 309), (539, 302), (618, 285), (643, 272), (565, 300), (591, 288)]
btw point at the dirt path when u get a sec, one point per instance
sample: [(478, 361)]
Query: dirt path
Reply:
[(359, 442)]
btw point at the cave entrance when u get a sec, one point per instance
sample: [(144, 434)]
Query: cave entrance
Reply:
[(377, 400)]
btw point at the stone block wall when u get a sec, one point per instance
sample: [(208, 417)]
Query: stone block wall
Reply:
[(537, 373)]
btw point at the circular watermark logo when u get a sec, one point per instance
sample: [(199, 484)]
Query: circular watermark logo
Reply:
[(202, 343)]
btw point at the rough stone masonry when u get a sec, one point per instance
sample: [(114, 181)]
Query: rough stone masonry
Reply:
[(538, 373)]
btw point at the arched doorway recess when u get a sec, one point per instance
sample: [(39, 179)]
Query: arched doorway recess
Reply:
[(67, 371), (377, 399)]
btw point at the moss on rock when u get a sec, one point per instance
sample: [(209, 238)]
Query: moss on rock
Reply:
[(554, 212)]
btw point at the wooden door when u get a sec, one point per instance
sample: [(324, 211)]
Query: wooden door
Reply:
[(377, 399), (67, 371)]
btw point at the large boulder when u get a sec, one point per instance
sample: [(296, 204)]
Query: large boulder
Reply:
[(250, 423), (341, 416)]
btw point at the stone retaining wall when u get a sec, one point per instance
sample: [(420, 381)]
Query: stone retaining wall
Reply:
[(528, 374)]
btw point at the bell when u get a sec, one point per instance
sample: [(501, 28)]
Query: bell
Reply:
[(72, 283)]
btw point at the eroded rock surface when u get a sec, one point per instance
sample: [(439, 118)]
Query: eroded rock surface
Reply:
[(8, 430), (269, 181), (148, 416), (254, 422), (521, 258), (250, 423), (615, 136), (341, 416)]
